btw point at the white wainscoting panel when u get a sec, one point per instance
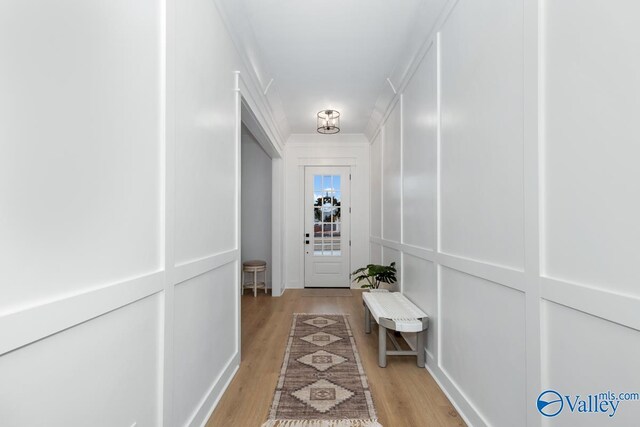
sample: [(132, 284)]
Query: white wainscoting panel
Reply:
[(74, 188), (201, 353), (421, 287), (205, 164), (119, 179), (419, 155), (390, 255), (483, 345), (376, 253), (104, 372), (391, 175), (482, 135), (584, 354), (376, 182), (591, 143), (529, 270)]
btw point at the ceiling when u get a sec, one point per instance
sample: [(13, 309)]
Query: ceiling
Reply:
[(332, 54)]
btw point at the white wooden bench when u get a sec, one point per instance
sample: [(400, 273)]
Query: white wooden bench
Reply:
[(392, 310)]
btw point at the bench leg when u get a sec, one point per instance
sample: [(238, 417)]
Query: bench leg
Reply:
[(420, 347), (382, 346), (367, 320)]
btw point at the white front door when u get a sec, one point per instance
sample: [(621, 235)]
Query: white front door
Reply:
[(327, 227)]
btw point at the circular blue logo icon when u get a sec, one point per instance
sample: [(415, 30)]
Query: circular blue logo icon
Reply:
[(550, 403)]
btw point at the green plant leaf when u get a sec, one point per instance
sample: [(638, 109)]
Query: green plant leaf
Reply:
[(375, 274)]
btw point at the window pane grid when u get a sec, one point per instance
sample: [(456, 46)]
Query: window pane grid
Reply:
[(326, 215)]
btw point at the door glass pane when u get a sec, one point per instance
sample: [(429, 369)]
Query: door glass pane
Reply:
[(326, 183), (326, 215), (336, 183), (336, 247), (335, 215)]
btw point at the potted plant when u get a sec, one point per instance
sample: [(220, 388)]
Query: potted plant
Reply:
[(373, 275)]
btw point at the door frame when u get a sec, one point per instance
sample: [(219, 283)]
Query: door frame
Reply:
[(344, 248), (248, 112), (302, 163)]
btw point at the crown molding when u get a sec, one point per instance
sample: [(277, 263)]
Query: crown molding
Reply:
[(268, 106), (428, 20)]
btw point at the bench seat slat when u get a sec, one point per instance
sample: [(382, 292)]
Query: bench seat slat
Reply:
[(405, 315)]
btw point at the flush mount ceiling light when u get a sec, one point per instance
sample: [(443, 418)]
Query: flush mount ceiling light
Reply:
[(328, 121)]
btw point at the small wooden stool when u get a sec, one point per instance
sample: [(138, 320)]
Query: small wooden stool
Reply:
[(255, 267)]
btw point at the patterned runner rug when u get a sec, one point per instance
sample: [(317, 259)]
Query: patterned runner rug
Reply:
[(322, 382)]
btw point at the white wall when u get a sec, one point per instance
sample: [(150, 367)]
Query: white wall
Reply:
[(590, 261), (118, 145), (205, 259), (324, 150), (516, 226), (256, 203), (81, 313)]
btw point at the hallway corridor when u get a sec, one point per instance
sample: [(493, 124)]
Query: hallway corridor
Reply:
[(478, 158), (404, 394)]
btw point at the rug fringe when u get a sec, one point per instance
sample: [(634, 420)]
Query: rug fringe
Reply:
[(322, 423)]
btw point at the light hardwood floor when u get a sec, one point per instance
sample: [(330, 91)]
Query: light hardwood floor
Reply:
[(404, 395)]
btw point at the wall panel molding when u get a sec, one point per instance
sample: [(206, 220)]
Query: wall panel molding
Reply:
[(169, 178), (188, 270), (465, 408), (594, 296), (614, 307), (139, 155), (502, 275), (215, 392), (25, 326)]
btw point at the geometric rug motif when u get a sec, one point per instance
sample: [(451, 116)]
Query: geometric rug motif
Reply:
[(320, 322), (321, 339), (323, 395), (322, 381), (321, 360)]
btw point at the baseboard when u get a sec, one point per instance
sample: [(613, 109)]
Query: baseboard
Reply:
[(295, 285), (282, 291), (465, 409), (209, 403)]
